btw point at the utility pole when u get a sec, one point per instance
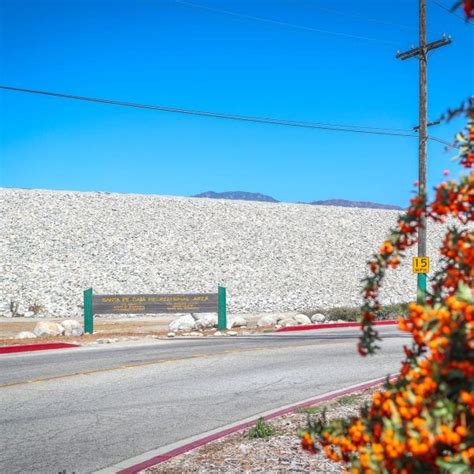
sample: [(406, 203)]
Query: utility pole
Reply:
[(422, 53)]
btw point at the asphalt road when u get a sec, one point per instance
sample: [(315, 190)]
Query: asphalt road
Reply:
[(81, 410)]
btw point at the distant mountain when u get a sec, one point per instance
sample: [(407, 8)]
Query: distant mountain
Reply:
[(363, 204), (238, 195), (244, 196)]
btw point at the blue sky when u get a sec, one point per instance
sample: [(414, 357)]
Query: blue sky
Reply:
[(170, 53)]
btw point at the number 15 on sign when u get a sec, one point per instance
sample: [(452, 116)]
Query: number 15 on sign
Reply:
[(421, 264)]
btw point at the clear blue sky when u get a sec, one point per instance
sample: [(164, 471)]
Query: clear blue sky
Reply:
[(164, 52)]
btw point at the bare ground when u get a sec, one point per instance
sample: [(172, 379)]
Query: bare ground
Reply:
[(103, 329)]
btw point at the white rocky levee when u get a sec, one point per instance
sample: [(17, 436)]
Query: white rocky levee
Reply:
[(270, 257)]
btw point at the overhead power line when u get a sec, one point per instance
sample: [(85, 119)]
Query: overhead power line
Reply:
[(281, 23), (355, 15), (225, 116), (245, 118)]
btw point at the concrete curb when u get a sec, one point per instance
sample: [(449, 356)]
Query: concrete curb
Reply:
[(36, 347), (160, 455), (310, 327)]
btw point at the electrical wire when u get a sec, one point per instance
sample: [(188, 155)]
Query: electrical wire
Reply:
[(281, 23), (225, 116), (355, 15)]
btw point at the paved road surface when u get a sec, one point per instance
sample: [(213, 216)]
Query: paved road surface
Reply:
[(85, 409)]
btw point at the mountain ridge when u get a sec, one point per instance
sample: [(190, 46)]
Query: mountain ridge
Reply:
[(249, 196)]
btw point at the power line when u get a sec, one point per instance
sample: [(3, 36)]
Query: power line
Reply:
[(225, 116), (356, 15), (244, 118), (280, 23), (440, 140)]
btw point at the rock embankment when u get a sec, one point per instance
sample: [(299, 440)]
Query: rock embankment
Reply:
[(271, 257)]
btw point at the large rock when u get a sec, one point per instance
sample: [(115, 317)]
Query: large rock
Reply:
[(236, 322), (25, 335), (318, 318), (72, 328), (301, 319), (206, 320), (287, 322), (48, 328), (267, 320), (184, 323)]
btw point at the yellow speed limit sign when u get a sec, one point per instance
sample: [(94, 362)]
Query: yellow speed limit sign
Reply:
[(421, 264)]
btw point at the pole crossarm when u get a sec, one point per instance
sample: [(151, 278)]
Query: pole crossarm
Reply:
[(445, 40)]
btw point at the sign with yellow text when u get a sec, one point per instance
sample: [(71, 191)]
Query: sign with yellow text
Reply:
[(421, 264), (191, 303)]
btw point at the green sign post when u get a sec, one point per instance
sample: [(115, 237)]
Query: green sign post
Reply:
[(221, 309), (88, 313), (154, 304)]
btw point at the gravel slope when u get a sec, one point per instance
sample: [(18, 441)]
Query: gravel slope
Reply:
[(271, 257)]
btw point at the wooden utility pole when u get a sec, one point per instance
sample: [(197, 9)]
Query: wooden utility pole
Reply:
[(422, 53)]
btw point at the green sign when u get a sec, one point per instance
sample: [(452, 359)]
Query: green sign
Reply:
[(154, 304)]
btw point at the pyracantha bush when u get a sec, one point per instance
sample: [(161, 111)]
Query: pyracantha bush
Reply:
[(423, 421)]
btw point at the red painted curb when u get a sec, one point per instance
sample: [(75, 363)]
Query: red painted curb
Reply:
[(310, 327), (215, 436), (36, 347)]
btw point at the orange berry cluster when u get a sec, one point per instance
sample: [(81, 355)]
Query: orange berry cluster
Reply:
[(424, 420)]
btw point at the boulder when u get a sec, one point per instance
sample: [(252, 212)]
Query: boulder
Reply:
[(287, 322), (236, 322), (318, 318), (184, 323), (25, 335), (48, 328), (72, 328), (231, 333), (267, 320), (302, 319), (171, 334), (206, 320), (104, 341)]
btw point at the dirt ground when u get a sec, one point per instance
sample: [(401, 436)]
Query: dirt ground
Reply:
[(103, 329)]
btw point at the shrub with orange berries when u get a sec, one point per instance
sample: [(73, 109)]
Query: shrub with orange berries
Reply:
[(424, 420)]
